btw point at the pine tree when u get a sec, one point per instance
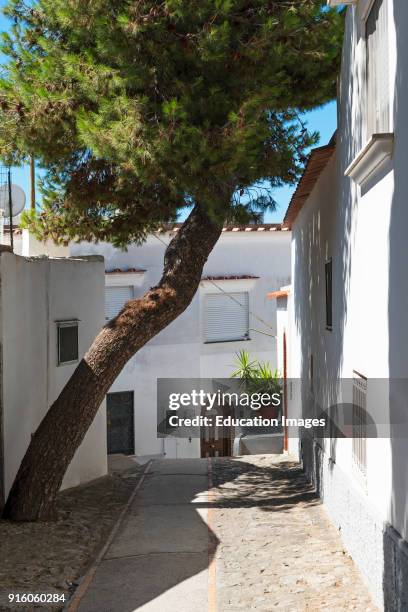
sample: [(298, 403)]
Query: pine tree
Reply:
[(138, 109)]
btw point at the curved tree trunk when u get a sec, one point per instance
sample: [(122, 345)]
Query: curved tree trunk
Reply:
[(64, 426)]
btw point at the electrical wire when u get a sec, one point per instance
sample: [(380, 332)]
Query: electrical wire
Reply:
[(253, 314)]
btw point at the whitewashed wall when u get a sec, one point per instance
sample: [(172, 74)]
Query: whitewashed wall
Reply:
[(364, 230), (34, 294), (29, 246), (179, 350)]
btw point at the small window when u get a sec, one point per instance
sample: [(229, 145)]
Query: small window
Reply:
[(329, 294), (378, 103), (226, 317), (311, 375), (67, 342), (115, 299), (360, 423)]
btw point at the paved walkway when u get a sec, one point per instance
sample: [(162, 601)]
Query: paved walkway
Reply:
[(258, 539)]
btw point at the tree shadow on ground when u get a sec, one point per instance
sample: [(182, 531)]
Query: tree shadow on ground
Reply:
[(277, 487), (165, 539)]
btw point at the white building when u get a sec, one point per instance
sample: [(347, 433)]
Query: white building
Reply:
[(348, 303), (50, 311), (230, 312)]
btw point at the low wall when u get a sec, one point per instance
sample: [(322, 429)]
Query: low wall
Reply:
[(35, 293)]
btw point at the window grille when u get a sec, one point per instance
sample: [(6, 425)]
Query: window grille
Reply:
[(360, 422)]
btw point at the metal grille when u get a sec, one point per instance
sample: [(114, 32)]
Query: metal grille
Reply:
[(378, 103), (4, 192), (360, 422), (5, 182)]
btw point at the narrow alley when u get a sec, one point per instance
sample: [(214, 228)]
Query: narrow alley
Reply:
[(226, 534)]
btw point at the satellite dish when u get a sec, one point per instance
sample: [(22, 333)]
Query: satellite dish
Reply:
[(18, 200)]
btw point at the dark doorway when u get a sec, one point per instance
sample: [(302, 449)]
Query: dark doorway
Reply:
[(120, 423)]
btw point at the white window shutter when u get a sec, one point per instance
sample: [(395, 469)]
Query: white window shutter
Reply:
[(226, 317), (115, 299), (383, 72), (378, 111)]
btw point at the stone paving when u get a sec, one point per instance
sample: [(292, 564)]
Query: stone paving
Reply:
[(277, 549), (257, 539)]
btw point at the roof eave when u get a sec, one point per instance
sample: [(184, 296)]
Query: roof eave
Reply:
[(317, 162)]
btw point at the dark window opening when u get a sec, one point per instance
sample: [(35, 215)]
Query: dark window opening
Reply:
[(67, 342), (311, 374), (329, 294), (120, 422)]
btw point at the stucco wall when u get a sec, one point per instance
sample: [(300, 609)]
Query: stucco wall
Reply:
[(364, 230), (29, 246), (34, 294), (179, 350)]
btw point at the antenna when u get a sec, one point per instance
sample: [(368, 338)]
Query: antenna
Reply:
[(12, 201), (18, 200)]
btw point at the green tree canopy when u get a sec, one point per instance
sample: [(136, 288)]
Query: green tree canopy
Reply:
[(138, 108)]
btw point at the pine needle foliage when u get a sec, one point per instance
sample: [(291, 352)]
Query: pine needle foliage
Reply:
[(137, 109)]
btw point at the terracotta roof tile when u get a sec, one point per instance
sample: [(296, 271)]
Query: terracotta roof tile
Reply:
[(258, 227), (316, 163), (231, 277), (277, 294), (125, 271)]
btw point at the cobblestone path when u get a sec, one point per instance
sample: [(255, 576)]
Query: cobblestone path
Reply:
[(230, 535), (277, 550)]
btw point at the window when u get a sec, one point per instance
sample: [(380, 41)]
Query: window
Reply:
[(311, 375), (115, 299), (360, 422), (329, 294), (378, 110), (226, 317), (333, 430), (67, 342)]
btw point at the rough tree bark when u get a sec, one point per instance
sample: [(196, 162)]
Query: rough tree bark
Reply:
[(63, 428)]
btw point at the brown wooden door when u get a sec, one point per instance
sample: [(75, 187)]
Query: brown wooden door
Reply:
[(216, 441)]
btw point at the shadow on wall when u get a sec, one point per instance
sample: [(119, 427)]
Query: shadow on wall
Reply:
[(395, 549), (327, 232)]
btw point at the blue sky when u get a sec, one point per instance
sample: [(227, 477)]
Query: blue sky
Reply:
[(322, 120)]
